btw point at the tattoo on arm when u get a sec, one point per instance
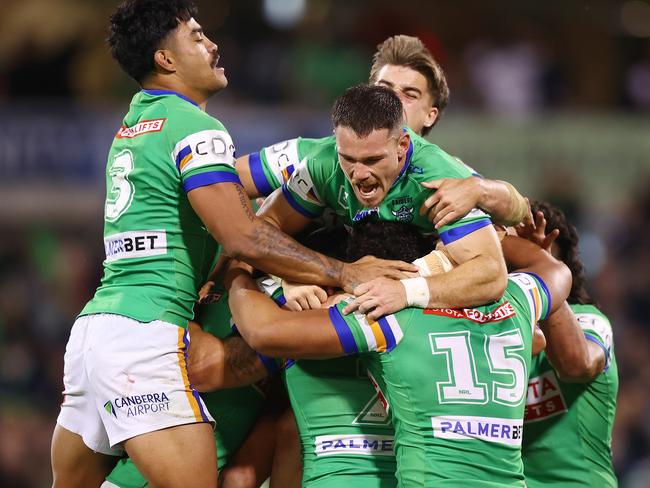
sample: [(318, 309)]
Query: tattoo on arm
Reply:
[(272, 243), (245, 203), (270, 239), (240, 359)]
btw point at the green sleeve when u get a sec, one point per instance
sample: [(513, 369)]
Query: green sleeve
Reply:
[(358, 335), (202, 150)]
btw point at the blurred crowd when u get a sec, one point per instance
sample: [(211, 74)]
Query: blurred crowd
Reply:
[(508, 60)]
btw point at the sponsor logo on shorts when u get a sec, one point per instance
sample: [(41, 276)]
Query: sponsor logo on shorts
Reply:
[(544, 398), (109, 408), (135, 244), (140, 128), (134, 405), (490, 429), (366, 445), (502, 312)]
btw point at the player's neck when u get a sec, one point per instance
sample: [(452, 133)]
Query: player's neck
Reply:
[(156, 83)]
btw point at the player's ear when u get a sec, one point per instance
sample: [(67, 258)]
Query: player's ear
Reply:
[(403, 143), (431, 117), (164, 60)]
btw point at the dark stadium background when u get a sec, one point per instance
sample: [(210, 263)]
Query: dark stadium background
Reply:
[(552, 96)]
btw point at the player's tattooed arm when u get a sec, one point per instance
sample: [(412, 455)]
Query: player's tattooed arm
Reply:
[(456, 197), (214, 363), (225, 210)]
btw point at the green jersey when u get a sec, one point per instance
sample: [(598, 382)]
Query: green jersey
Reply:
[(273, 165), (158, 252), (568, 426), (455, 381), (346, 435), (234, 409), (318, 182)]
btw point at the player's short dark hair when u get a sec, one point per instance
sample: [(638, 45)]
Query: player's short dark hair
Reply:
[(387, 240), (137, 28), (411, 52), (366, 108), (567, 245)]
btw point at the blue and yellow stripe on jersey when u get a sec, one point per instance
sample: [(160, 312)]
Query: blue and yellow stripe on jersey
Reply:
[(183, 158), (357, 334)]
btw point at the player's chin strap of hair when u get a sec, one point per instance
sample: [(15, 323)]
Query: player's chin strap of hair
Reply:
[(417, 289)]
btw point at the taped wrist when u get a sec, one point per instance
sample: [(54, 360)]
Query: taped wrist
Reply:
[(435, 262), (518, 206), (417, 292)]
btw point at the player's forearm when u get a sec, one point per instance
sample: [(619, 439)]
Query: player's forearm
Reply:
[(267, 248), (255, 315), (502, 201), (242, 365), (475, 282), (567, 349)]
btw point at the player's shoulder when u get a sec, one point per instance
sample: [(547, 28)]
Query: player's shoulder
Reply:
[(185, 119), (591, 318), (429, 161), (307, 146), (322, 159)]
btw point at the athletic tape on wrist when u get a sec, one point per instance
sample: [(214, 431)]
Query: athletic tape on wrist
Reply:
[(433, 263), (417, 292)]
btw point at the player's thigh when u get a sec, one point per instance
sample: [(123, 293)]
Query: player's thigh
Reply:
[(74, 464), (177, 457)]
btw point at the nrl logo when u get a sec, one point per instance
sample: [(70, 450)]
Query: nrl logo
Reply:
[(402, 209)]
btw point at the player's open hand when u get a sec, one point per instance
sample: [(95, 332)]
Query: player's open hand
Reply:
[(454, 198), (303, 297), (369, 267), (535, 231), (379, 297)]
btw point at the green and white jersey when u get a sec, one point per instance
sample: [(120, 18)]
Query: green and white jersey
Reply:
[(455, 381), (272, 166), (345, 433), (234, 409), (568, 426), (158, 252), (318, 182)]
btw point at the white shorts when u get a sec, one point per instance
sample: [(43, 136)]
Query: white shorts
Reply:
[(123, 378)]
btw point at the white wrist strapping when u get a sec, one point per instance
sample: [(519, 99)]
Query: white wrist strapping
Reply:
[(417, 292)]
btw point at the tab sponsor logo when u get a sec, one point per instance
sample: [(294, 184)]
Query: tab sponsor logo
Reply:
[(490, 429), (502, 312), (366, 445), (144, 127), (544, 398), (135, 244)]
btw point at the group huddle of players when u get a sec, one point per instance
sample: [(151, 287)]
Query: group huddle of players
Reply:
[(425, 328)]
